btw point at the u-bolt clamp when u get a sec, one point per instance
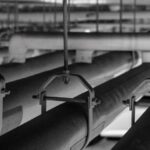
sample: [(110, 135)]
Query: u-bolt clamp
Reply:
[(137, 94), (91, 102)]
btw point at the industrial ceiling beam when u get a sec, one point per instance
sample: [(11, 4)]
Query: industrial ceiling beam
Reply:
[(20, 43), (138, 137)]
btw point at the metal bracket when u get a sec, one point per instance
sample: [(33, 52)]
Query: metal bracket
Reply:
[(91, 102), (3, 93), (142, 90)]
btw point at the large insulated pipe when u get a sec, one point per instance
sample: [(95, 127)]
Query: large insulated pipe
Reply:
[(138, 137), (65, 127), (32, 66), (19, 107), (20, 43)]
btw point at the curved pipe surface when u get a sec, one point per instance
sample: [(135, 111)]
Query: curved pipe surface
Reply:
[(34, 66), (101, 70), (20, 43), (65, 127), (138, 137)]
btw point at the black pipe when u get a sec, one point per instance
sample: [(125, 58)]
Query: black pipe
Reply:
[(65, 126), (101, 70), (138, 137)]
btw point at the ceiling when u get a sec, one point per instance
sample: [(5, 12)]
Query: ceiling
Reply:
[(140, 2)]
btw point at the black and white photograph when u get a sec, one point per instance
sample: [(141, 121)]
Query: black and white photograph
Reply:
[(74, 74)]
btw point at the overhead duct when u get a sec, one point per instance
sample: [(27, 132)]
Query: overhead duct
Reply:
[(65, 127), (20, 43), (19, 107)]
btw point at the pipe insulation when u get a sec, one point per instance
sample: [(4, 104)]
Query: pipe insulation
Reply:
[(32, 66), (65, 127), (20, 107), (20, 43), (138, 137)]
